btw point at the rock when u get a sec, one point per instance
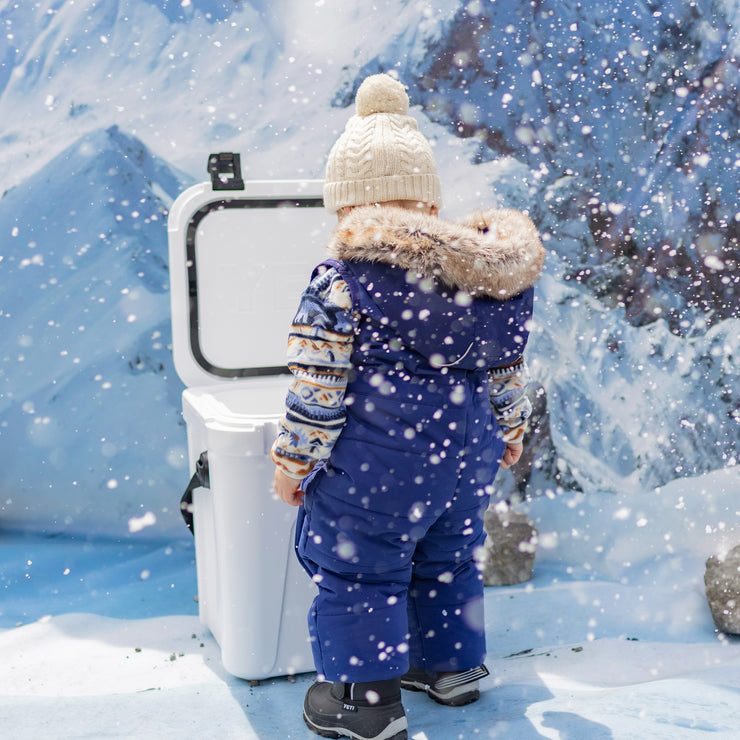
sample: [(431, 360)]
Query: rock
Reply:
[(722, 582), (511, 546)]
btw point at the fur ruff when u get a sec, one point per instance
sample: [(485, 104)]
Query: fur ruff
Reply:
[(495, 254)]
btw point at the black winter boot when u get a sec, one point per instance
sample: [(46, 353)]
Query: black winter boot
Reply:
[(362, 711), (453, 688)]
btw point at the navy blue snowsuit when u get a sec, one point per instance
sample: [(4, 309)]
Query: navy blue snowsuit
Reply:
[(391, 521)]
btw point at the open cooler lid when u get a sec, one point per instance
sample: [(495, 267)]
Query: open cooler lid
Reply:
[(241, 253)]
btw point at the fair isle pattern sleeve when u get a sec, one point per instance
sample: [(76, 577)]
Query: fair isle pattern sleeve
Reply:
[(507, 390), (319, 350)]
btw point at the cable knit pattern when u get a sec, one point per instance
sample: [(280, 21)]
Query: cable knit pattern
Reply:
[(381, 156)]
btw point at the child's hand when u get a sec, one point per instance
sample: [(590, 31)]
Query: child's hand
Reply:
[(287, 488), (512, 454)]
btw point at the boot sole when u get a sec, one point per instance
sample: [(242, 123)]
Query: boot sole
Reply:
[(396, 730)]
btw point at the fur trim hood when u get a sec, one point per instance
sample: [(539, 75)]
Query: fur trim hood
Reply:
[(495, 253)]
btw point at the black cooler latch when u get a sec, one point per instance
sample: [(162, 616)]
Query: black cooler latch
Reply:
[(225, 170)]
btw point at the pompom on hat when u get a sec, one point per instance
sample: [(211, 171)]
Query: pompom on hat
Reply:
[(381, 156)]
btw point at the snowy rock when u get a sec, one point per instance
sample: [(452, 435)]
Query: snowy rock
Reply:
[(722, 582), (510, 547)]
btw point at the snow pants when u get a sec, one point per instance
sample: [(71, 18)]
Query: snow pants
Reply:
[(396, 568)]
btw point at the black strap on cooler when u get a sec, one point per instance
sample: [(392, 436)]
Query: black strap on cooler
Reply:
[(200, 479)]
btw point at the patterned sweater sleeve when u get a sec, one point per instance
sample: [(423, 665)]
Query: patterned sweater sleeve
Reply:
[(319, 350), (507, 389)]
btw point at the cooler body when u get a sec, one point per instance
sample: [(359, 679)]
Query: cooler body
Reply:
[(252, 593), (240, 255)]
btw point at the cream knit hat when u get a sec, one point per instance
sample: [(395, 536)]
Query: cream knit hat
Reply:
[(381, 156)]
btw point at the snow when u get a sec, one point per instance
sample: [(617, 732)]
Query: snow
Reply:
[(110, 110), (612, 638)]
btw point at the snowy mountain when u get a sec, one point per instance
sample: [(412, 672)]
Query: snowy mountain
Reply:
[(634, 104), (87, 378), (614, 124)]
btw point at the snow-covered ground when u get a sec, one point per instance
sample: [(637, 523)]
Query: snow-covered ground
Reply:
[(110, 109), (612, 638)]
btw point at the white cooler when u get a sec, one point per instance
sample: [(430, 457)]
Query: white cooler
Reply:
[(240, 255)]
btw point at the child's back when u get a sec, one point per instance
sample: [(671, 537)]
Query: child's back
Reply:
[(407, 351)]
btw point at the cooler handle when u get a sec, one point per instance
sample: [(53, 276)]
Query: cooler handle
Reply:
[(200, 479)]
